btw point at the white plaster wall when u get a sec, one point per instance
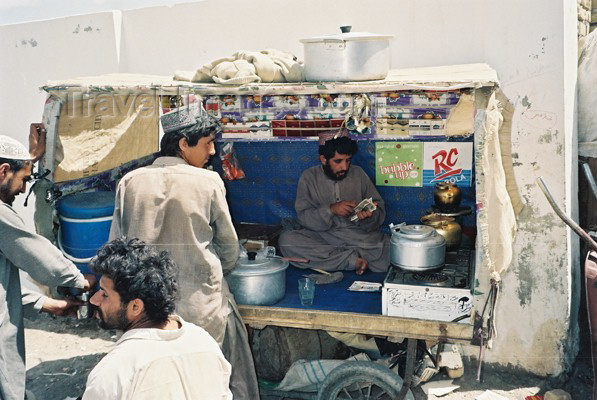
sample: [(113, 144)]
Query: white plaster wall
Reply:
[(531, 44), (537, 317), (427, 32), (33, 53)]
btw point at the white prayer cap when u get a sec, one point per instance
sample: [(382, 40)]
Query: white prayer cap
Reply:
[(13, 149)]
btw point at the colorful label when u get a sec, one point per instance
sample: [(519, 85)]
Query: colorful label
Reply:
[(448, 162), (398, 164)]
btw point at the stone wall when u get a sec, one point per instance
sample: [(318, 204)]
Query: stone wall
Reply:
[(584, 17)]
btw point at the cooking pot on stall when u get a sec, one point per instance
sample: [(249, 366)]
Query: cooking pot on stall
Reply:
[(445, 226), (447, 196), (347, 56), (258, 280), (417, 248)]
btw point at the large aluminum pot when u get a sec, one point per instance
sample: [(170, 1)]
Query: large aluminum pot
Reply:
[(260, 282), (348, 56), (417, 248)]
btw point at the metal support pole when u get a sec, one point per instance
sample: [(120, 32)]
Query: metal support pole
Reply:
[(411, 356)]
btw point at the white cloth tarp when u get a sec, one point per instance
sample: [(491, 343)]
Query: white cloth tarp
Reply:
[(496, 215), (308, 375), (248, 67)]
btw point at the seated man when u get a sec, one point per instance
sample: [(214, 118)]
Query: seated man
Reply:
[(159, 356), (326, 197)]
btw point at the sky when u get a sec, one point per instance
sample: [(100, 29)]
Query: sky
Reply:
[(16, 11)]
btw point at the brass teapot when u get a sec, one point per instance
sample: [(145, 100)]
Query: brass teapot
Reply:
[(447, 196), (445, 226)]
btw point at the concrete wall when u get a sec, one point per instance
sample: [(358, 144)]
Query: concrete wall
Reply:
[(537, 70), (33, 53), (532, 45)]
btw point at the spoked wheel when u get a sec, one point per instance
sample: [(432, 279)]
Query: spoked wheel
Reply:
[(362, 380)]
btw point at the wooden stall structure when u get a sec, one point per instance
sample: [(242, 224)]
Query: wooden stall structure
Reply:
[(101, 127)]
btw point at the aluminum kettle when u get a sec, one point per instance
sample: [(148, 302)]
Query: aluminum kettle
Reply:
[(417, 248)]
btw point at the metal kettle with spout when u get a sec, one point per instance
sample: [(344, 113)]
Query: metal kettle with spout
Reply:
[(447, 196)]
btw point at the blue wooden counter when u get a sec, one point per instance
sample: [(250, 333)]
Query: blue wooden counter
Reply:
[(337, 309), (334, 296)]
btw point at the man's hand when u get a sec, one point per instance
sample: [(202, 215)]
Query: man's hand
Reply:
[(364, 214), (63, 307), (343, 208), (37, 141), (90, 282)]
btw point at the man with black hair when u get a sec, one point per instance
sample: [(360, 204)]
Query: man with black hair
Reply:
[(179, 206), (326, 198), (159, 355), (21, 249)]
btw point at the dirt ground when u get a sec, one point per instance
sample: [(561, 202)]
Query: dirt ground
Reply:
[(62, 351)]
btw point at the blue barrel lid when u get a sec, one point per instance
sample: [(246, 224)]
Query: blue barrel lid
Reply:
[(87, 205)]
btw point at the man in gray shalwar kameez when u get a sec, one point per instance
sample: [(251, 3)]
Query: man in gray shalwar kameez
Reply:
[(326, 197), (177, 205), (32, 253)]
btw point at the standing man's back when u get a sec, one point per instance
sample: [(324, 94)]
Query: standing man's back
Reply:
[(178, 206)]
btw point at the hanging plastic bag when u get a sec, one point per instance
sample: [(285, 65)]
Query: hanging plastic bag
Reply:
[(231, 169)]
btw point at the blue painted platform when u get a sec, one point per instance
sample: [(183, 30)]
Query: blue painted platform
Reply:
[(334, 296)]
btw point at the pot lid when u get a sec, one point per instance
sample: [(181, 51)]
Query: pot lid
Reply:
[(262, 266), (86, 205), (346, 35), (432, 219), (416, 231)]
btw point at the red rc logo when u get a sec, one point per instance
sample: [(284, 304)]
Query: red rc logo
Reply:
[(444, 162)]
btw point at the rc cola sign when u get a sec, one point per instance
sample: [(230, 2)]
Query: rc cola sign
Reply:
[(448, 162)]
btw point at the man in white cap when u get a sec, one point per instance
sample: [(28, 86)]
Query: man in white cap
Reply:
[(334, 235), (32, 253)]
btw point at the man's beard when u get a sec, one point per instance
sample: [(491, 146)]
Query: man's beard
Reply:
[(5, 195), (119, 321), (335, 176)]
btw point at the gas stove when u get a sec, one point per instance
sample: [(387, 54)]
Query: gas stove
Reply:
[(445, 295)]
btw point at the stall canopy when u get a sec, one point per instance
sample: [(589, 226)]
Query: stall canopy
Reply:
[(431, 78), (122, 138)]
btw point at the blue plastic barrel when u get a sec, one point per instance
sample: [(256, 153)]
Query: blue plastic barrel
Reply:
[(85, 220)]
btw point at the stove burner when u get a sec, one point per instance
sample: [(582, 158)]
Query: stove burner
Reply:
[(430, 279)]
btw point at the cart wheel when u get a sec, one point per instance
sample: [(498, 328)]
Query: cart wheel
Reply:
[(361, 380)]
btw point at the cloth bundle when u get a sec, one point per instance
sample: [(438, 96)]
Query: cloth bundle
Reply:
[(243, 67)]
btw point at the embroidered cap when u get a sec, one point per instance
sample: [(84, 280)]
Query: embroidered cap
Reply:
[(192, 115), (13, 149), (329, 135)]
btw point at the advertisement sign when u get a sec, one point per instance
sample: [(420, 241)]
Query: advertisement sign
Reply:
[(399, 164), (448, 162)]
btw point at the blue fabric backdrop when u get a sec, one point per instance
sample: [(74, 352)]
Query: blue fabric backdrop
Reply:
[(273, 168)]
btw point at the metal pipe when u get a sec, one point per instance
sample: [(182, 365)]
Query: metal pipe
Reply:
[(590, 178), (573, 225)]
